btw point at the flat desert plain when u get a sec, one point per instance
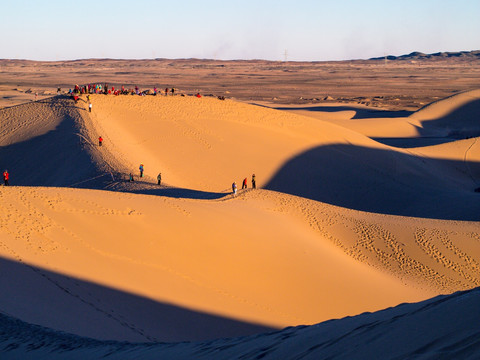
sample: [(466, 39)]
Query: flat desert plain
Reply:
[(366, 198)]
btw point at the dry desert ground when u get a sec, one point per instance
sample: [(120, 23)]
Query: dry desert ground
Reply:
[(366, 203)]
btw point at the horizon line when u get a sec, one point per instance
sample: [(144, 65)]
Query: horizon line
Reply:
[(244, 60)]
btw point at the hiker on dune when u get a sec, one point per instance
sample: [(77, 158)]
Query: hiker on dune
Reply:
[(6, 176)]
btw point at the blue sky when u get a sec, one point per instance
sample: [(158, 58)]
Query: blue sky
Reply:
[(250, 29)]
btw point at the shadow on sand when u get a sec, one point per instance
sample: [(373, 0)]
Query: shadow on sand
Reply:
[(461, 123), (360, 113), (148, 188), (62, 158), (382, 181), (61, 302)]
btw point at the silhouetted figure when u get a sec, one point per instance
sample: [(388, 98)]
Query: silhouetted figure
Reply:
[(131, 177), (141, 170), (159, 178), (254, 185), (244, 185)]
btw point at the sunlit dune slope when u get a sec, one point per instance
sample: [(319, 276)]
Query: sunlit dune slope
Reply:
[(171, 268), (206, 144), (241, 259), (455, 116)]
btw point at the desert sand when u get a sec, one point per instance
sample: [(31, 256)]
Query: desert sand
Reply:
[(351, 214)]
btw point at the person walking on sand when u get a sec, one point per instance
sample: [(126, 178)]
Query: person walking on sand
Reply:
[(100, 140), (234, 188), (244, 185), (254, 185), (166, 91), (6, 176), (89, 107), (130, 178), (159, 178), (141, 170), (172, 91)]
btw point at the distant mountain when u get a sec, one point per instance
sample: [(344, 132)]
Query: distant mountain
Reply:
[(466, 55)]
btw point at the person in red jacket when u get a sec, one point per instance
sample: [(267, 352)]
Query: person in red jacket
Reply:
[(6, 176), (100, 140), (244, 185)]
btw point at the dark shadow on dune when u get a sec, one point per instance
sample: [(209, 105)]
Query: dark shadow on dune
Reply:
[(179, 193), (383, 181), (408, 143), (462, 123), (360, 113), (63, 158), (58, 158), (60, 302)]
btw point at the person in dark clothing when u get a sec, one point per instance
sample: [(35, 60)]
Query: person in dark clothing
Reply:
[(254, 185), (141, 170), (159, 178)]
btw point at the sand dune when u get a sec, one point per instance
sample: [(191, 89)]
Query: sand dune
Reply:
[(444, 327), (235, 259), (340, 216)]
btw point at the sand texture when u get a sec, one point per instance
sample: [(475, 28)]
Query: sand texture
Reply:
[(349, 215)]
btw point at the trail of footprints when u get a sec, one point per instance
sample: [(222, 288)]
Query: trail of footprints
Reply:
[(31, 229), (445, 265)]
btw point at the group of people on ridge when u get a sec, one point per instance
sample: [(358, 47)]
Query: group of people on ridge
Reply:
[(107, 90), (244, 185)]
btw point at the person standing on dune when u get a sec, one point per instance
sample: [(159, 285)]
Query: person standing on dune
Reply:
[(244, 185), (100, 140), (254, 184), (234, 188), (6, 176), (159, 178), (141, 170)]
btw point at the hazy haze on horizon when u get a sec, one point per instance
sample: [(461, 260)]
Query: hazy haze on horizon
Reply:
[(309, 30)]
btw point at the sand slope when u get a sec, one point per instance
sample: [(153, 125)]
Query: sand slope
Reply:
[(234, 259), (145, 268), (444, 327)]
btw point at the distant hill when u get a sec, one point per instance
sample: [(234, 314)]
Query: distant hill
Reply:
[(467, 55)]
